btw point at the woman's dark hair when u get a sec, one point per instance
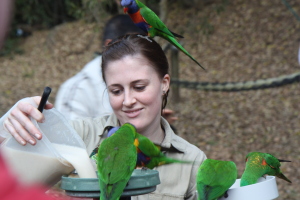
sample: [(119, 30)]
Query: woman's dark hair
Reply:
[(133, 44)]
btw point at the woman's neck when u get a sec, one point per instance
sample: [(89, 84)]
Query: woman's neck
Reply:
[(155, 134)]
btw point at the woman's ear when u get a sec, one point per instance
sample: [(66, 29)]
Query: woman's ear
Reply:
[(107, 41), (166, 83)]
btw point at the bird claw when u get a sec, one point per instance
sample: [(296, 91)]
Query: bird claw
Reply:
[(265, 176), (144, 168), (226, 194)]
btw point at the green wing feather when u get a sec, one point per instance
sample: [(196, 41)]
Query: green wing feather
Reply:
[(111, 191), (153, 20), (116, 162), (151, 150), (271, 160), (147, 146), (214, 178), (173, 41), (160, 29), (111, 168), (274, 165)]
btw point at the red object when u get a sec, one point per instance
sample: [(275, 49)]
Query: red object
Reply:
[(12, 189)]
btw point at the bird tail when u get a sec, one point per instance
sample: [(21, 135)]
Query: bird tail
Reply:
[(111, 191), (157, 161), (203, 191), (176, 35), (173, 41), (280, 160)]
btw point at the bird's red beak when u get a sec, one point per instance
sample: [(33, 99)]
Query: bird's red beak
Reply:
[(125, 9)]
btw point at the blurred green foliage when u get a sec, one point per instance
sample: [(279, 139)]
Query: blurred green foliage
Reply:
[(11, 47), (46, 13), (41, 14)]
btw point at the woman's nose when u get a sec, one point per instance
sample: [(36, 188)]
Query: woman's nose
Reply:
[(129, 99)]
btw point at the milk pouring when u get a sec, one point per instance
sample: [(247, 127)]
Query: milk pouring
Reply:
[(56, 154)]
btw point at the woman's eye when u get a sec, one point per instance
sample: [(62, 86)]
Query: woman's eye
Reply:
[(139, 88), (116, 92)]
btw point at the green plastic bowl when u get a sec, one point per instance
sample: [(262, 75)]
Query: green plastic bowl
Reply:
[(142, 181)]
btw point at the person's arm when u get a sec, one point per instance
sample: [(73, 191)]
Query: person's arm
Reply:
[(6, 7), (17, 120), (192, 190), (11, 188), (169, 115)]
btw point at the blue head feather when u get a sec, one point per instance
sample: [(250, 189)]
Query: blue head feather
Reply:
[(131, 5), (112, 131)]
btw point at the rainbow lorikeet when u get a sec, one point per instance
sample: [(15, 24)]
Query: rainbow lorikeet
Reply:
[(214, 178), (149, 155), (116, 160), (259, 164), (150, 23)]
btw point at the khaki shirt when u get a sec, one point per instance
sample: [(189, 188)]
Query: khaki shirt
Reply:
[(178, 181)]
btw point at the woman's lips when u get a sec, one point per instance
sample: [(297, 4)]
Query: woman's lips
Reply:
[(132, 113)]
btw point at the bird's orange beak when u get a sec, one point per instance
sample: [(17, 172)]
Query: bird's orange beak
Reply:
[(125, 9)]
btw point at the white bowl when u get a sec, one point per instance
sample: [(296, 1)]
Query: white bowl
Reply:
[(264, 189)]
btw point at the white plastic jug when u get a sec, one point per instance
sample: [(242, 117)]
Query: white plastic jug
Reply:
[(52, 156)]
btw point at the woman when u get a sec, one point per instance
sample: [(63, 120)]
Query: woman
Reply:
[(135, 70)]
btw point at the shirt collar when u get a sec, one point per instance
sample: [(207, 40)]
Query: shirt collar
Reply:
[(112, 121), (171, 142)]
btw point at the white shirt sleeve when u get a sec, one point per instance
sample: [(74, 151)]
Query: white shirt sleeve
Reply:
[(85, 94)]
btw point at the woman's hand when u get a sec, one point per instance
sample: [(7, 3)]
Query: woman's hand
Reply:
[(18, 123), (169, 115)]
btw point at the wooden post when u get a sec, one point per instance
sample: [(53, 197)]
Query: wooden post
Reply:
[(163, 10), (175, 74)]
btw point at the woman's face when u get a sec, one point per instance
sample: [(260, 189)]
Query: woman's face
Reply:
[(135, 91)]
